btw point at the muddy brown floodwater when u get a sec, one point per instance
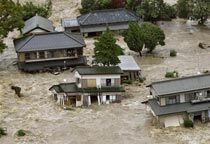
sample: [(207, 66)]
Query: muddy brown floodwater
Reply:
[(124, 123)]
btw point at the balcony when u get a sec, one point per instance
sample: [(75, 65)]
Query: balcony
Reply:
[(102, 89), (201, 100)]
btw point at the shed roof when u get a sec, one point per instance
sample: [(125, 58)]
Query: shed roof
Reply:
[(177, 108), (107, 16), (68, 22), (49, 41), (37, 22), (127, 63), (98, 70), (184, 84)]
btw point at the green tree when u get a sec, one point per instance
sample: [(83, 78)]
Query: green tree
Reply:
[(198, 9), (153, 36), (10, 18), (91, 5), (146, 36), (154, 10), (132, 4), (201, 10), (30, 10), (183, 8), (106, 50), (133, 36)]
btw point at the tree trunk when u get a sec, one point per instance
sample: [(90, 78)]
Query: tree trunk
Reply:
[(140, 53)]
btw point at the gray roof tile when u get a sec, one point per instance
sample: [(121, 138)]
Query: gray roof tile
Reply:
[(49, 41), (37, 22), (184, 84), (107, 16)]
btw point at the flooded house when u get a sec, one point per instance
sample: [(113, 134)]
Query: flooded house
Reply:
[(37, 24), (49, 50), (131, 70), (97, 84), (173, 101), (96, 22)]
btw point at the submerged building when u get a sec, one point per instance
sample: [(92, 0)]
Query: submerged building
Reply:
[(175, 100), (101, 85)]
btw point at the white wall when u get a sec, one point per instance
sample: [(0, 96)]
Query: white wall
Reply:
[(97, 77), (37, 31)]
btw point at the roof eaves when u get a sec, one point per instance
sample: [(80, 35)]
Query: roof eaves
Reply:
[(72, 37), (25, 43)]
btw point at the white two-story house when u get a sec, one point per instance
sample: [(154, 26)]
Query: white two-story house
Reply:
[(101, 85)]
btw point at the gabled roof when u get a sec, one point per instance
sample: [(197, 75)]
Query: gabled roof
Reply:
[(107, 16), (98, 70), (49, 41), (127, 63), (185, 84), (177, 108), (37, 22)]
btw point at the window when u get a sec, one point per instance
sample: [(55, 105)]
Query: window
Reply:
[(77, 80), (172, 100), (41, 55), (70, 52), (78, 98), (190, 96), (208, 93), (27, 56), (108, 82)]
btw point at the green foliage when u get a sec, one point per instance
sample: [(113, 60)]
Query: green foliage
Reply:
[(2, 132), (127, 81), (106, 50), (21, 133), (91, 5), (142, 79), (10, 18), (153, 36), (30, 10), (183, 8), (154, 10), (198, 9), (173, 74), (148, 35), (132, 4), (188, 124), (173, 53), (134, 37)]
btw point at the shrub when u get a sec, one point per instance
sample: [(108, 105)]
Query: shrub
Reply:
[(188, 124), (142, 79), (21, 133), (173, 53), (2, 132), (30, 10), (127, 81), (173, 74)]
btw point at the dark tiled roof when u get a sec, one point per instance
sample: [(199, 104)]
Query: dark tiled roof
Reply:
[(177, 108), (49, 41), (97, 70), (35, 66), (38, 22), (184, 84), (72, 88), (107, 16), (65, 88)]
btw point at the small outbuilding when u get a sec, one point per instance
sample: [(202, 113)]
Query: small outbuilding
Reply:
[(131, 70)]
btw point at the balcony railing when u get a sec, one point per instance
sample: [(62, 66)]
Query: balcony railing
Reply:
[(102, 89), (200, 100)]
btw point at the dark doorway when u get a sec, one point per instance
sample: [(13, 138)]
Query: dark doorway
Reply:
[(198, 118), (94, 98)]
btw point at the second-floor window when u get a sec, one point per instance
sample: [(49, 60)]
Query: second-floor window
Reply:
[(41, 55), (172, 100), (108, 82), (190, 96)]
